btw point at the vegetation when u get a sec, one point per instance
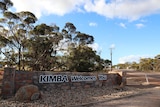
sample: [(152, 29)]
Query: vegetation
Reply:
[(28, 46), (145, 64)]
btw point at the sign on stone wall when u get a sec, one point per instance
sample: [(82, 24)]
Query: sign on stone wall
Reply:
[(65, 78), (83, 78), (53, 78), (61, 80), (102, 77)]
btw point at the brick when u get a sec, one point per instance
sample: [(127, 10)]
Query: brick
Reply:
[(17, 78), (7, 85), (76, 84), (30, 74), (17, 87), (29, 81), (35, 77), (73, 88), (89, 82), (65, 87)]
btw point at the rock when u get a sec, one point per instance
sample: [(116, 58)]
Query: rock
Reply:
[(27, 93), (118, 79), (35, 96)]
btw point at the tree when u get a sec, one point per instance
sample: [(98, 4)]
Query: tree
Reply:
[(9, 34), (78, 53), (82, 58), (134, 66), (42, 47), (16, 33), (126, 65), (27, 20), (5, 4), (146, 64), (156, 63), (83, 39)]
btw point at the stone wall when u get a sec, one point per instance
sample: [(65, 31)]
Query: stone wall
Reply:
[(1, 78), (45, 80)]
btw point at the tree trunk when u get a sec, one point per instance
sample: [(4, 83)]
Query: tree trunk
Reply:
[(19, 59)]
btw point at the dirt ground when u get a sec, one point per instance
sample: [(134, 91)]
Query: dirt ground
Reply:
[(148, 83)]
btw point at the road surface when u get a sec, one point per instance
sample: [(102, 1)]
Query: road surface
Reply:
[(149, 83)]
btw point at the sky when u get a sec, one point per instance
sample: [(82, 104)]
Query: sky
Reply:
[(131, 28)]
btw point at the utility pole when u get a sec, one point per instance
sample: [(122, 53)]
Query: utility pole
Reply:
[(111, 48)]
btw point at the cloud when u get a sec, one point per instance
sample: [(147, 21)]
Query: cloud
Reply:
[(95, 46), (139, 25), (47, 7), (123, 9), (122, 25), (143, 21), (133, 58), (93, 24)]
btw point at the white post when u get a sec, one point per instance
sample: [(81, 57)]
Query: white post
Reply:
[(146, 78)]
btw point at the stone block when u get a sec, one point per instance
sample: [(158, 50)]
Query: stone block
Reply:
[(28, 81), (89, 82), (35, 77), (65, 87), (35, 96), (87, 86), (7, 85), (76, 84)]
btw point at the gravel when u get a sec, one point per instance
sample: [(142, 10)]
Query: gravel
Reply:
[(67, 98)]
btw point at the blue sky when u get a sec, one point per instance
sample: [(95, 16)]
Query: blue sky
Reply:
[(130, 27)]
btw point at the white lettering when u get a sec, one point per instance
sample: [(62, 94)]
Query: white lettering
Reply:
[(102, 77)]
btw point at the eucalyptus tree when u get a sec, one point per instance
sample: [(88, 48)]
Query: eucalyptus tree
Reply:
[(14, 29), (68, 32), (5, 4), (27, 21), (146, 64), (103, 64), (156, 65), (150, 64), (135, 65), (43, 45), (80, 56), (83, 39), (9, 32)]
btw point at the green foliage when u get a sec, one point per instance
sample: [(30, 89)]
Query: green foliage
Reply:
[(145, 64), (14, 33), (5, 4), (150, 64), (41, 49), (82, 58)]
